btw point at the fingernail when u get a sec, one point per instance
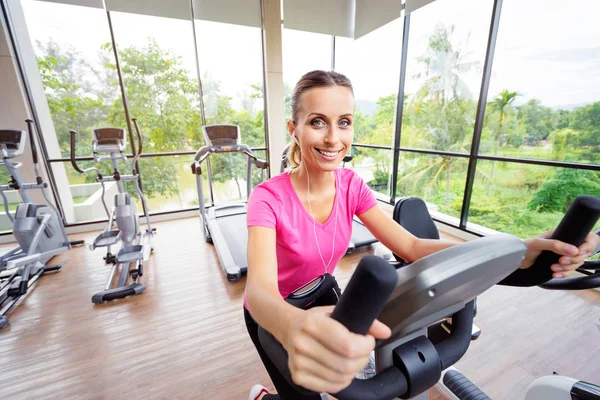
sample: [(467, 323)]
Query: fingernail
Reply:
[(558, 275), (571, 249), (557, 269), (566, 262)]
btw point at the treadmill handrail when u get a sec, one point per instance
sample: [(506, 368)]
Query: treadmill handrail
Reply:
[(204, 151)]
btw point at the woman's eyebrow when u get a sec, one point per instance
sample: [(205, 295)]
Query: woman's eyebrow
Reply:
[(324, 116)]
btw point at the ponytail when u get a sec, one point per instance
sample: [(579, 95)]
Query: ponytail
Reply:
[(294, 156)]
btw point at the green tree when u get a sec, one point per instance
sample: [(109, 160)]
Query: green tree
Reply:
[(564, 143), (73, 102), (444, 65), (164, 98), (441, 113), (559, 191), (502, 104), (539, 120)]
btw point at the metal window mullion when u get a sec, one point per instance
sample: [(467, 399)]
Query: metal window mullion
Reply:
[(479, 117), (400, 108), (265, 95)]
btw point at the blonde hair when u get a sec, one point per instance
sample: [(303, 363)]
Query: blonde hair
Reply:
[(311, 80)]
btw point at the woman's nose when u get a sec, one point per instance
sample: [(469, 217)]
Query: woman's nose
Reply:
[(332, 136)]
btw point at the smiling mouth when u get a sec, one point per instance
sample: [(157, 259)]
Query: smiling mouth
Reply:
[(329, 153)]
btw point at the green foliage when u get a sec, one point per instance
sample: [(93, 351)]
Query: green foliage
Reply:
[(380, 180), (559, 191), (564, 141), (160, 94), (539, 120), (521, 199)]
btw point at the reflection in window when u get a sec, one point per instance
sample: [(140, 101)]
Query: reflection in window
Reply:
[(446, 52), (373, 67), (544, 96), (76, 67), (231, 65), (525, 199)]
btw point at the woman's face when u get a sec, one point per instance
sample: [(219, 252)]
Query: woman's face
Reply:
[(324, 126)]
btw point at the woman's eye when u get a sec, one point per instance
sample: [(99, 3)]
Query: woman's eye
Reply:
[(345, 123), (318, 122)]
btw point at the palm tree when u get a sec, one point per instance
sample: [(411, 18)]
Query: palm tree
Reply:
[(444, 66), (503, 105), (441, 107)]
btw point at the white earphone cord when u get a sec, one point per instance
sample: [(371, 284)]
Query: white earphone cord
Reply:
[(315, 221)]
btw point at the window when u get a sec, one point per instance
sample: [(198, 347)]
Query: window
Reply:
[(524, 199), (446, 52), (231, 67), (372, 63), (303, 52), (76, 67), (373, 166), (544, 96), (438, 180), (158, 65)]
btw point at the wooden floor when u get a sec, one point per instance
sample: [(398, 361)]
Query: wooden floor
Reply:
[(185, 337)]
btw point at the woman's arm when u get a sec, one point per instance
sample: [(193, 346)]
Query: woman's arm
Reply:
[(323, 355), (401, 242), (410, 248), (262, 294)]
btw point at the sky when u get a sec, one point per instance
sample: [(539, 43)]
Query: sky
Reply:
[(546, 49)]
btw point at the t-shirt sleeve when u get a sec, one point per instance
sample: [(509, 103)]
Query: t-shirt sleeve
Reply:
[(261, 208), (365, 197)]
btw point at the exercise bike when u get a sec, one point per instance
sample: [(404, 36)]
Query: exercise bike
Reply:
[(37, 228), (411, 298), (133, 243)]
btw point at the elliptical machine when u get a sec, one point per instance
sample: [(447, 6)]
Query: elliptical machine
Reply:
[(37, 228), (134, 244)]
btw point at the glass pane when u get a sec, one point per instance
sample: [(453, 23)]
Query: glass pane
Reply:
[(167, 183), (374, 166), (526, 200), (375, 92), (87, 193), (544, 96), (438, 180), (228, 179), (77, 68), (158, 63), (231, 65), (446, 52), (303, 52)]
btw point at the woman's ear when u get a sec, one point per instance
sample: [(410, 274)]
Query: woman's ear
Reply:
[(291, 127)]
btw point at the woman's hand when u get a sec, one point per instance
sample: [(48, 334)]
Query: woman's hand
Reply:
[(572, 257), (323, 355)]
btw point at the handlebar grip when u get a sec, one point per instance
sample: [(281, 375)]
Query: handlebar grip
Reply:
[(578, 221), (73, 161), (363, 299), (31, 140), (139, 136)]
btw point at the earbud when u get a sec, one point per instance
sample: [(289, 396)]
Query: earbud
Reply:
[(295, 138)]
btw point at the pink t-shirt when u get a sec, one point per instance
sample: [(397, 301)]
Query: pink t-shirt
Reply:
[(275, 204)]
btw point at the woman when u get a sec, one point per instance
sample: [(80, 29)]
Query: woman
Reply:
[(299, 227)]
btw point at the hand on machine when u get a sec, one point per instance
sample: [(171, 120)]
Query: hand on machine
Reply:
[(37, 228), (411, 298), (133, 244)]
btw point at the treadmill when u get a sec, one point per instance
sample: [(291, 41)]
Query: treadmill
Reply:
[(361, 236), (225, 226)]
